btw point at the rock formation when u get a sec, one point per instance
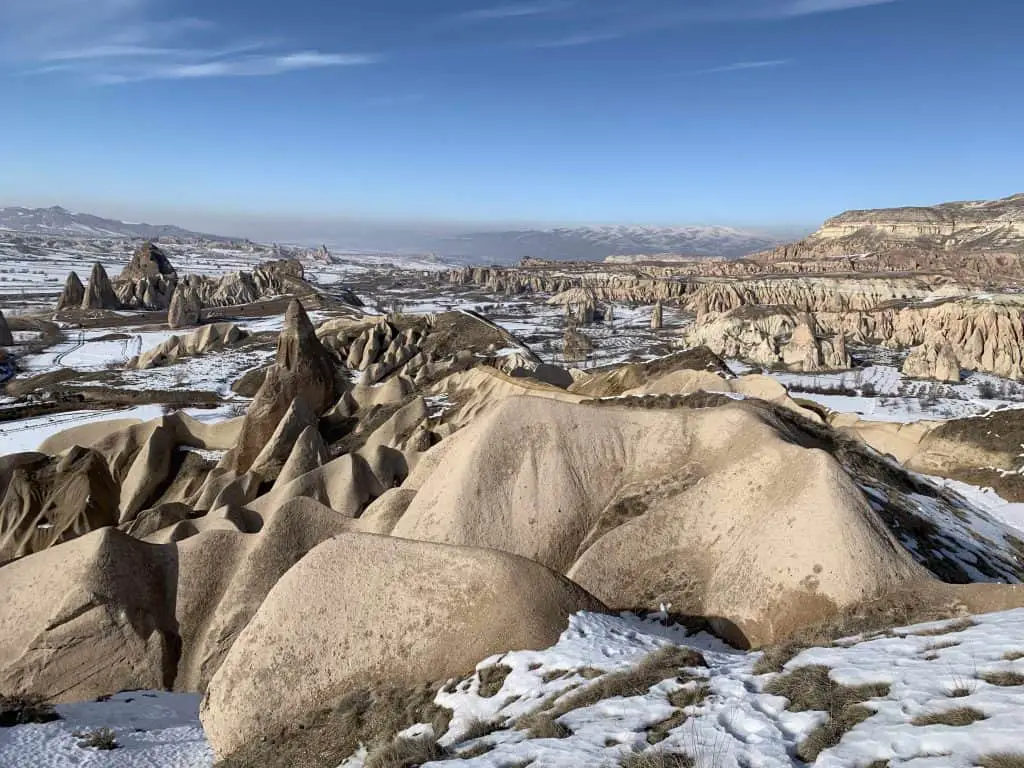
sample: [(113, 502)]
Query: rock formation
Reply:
[(933, 360), (207, 339), (771, 336), (6, 337), (303, 369), (185, 308), (657, 317), (933, 234), (457, 606), (149, 279), (73, 294), (100, 293)]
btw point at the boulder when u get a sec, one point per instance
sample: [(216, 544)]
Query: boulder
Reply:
[(73, 294), (185, 309), (100, 292), (361, 611), (657, 317), (89, 618)]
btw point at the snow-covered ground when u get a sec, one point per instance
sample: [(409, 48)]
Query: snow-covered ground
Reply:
[(923, 671), (28, 434), (152, 728), (883, 393)]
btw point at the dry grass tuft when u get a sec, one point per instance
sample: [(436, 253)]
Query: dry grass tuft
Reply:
[(636, 681), (689, 696), (1013, 655), (477, 729), (872, 618), (405, 753), (1006, 679), (543, 725), (954, 626), (656, 758), (1002, 760), (961, 716), (813, 689), (492, 678)]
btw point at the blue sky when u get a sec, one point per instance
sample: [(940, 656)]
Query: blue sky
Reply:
[(764, 113)]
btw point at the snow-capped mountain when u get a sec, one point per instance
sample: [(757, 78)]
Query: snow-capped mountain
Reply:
[(595, 243), (60, 221)]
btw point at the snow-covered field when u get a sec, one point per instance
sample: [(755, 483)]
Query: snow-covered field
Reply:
[(153, 729), (883, 393), (28, 434), (923, 672)]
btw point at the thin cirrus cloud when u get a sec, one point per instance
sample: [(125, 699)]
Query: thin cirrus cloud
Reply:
[(514, 11), (121, 41), (742, 66), (602, 21)]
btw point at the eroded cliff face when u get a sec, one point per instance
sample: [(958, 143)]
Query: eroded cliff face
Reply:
[(817, 294), (973, 237)]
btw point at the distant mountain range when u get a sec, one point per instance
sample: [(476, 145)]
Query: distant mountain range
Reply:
[(599, 242), (60, 221), (591, 243)]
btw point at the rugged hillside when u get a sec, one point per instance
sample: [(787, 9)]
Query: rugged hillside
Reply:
[(60, 221), (598, 243), (939, 231)]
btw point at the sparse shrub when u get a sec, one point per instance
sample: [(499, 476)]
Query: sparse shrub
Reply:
[(960, 716), (954, 626), (656, 758), (1002, 760), (1006, 679), (103, 739), (477, 729), (813, 689), (405, 753), (987, 390), (24, 709), (492, 679)]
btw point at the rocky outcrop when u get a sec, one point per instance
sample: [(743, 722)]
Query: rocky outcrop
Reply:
[(815, 294), (99, 294), (149, 279), (657, 317), (966, 237), (303, 369), (73, 294), (457, 605), (185, 308), (982, 334), (211, 337), (771, 336), (933, 360), (6, 337)]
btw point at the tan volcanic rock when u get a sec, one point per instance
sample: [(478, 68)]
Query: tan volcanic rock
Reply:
[(207, 339), (578, 470), (99, 293), (321, 635), (933, 360), (303, 369), (185, 308), (73, 294)]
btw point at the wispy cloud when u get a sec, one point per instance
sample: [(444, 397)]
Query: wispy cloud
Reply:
[(514, 11), (741, 66), (809, 7), (603, 21), (122, 41)]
